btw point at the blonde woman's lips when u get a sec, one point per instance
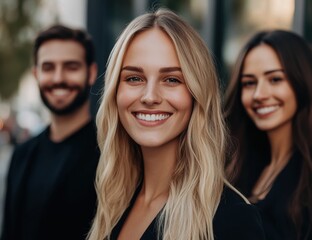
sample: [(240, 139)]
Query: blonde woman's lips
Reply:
[(152, 117)]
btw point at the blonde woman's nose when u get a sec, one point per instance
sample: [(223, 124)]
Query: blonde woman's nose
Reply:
[(151, 94)]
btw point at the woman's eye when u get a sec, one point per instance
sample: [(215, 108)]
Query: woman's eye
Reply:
[(248, 83), (276, 79), (133, 79), (172, 80)]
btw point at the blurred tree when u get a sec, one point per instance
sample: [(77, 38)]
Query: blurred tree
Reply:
[(17, 27)]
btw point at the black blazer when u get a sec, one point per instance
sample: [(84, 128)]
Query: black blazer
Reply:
[(234, 220), (274, 208), (69, 201)]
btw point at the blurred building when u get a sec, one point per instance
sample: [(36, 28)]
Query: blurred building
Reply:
[(224, 24)]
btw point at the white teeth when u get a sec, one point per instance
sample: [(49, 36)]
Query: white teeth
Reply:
[(151, 117), (266, 110), (60, 92)]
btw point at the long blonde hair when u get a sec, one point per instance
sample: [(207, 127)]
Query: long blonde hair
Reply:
[(198, 179)]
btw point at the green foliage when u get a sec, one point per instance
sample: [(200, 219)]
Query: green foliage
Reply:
[(17, 27)]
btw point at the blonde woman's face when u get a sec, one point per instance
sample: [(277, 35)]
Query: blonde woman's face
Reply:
[(153, 101), (267, 95)]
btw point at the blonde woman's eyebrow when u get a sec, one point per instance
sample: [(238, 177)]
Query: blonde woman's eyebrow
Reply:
[(132, 68), (161, 70), (170, 69)]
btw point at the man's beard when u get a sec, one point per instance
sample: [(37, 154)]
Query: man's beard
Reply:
[(81, 97)]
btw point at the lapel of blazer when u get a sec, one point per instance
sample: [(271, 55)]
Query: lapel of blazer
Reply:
[(18, 181), (73, 158), (23, 171), (70, 157), (60, 175)]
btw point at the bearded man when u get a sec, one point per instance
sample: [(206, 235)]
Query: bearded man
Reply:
[(50, 190)]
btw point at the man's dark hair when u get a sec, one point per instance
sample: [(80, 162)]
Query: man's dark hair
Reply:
[(60, 32)]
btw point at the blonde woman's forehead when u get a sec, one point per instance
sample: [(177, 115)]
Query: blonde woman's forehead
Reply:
[(151, 48)]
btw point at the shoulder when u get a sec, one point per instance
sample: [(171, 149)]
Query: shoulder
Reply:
[(87, 136), (28, 144), (21, 154), (236, 219), (88, 130)]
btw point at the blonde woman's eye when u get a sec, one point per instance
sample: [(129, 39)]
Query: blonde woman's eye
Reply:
[(134, 79), (173, 80)]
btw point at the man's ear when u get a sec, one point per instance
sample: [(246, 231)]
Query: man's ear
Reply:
[(93, 69), (34, 72)]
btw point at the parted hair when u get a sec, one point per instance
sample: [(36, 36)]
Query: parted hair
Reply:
[(295, 56), (198, 178)]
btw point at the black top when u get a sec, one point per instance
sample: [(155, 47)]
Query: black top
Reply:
[(50, 187), (274, 208), (234, 219)]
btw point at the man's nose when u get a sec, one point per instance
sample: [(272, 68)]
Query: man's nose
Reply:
[(58, 75)]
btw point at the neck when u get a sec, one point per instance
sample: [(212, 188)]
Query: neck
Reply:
[(281, 144), (65, 125), (159, 164)]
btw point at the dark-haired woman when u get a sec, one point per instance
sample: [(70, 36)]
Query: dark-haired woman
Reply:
[(268, 110)]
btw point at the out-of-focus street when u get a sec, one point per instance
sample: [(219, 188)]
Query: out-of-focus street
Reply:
[(5, 155)]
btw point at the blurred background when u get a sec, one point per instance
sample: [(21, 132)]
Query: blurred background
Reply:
[(225, 25)]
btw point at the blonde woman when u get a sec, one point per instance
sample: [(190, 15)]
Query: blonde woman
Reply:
[(162, 141)]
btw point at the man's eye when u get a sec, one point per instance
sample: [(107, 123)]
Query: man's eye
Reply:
[(47, 67), (73, 66)]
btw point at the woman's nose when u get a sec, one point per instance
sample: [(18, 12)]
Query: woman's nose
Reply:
[(151, 94), (262, 91)]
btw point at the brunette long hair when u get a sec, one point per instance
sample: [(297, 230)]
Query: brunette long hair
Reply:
[(295, 56)]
